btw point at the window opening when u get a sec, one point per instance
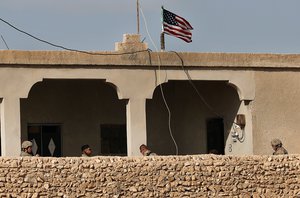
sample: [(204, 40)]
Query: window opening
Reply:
[(46, 139), (113, 140)]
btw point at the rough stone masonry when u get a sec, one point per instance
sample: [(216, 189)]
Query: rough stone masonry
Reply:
[(159, 176)]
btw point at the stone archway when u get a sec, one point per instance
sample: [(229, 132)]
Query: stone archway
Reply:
[(189, 114), (80, 107)]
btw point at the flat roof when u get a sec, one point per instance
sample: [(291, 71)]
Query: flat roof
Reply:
[(148, 59)]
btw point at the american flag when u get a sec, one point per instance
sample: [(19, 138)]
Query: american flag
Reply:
[(176, 26)]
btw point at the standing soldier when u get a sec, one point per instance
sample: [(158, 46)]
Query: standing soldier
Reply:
[(277, 147)]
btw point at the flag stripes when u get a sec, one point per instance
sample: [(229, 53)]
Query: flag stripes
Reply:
[(177, 26)]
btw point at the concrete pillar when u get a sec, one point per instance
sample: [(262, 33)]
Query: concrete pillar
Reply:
[(10, 126), (136, 125)]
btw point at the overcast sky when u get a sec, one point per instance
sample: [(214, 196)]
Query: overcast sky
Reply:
[(258, 26)]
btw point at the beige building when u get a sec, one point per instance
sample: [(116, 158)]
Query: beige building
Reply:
[(188, 103)]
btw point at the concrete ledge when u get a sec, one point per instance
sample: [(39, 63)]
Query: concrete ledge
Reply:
[(162, 176), (146, 59)]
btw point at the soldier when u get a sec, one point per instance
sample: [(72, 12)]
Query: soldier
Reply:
[(278, 148), (26, 149), (145, 151), (86, 151)]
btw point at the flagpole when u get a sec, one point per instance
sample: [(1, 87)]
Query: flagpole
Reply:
[(162, 42), (138, 16), (162, 35)]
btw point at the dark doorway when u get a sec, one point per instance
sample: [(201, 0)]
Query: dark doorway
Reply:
[(215, 135), (46, 139), (113, 140)]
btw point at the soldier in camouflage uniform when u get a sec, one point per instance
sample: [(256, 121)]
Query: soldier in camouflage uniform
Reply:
[(278, 148), (26, 149)]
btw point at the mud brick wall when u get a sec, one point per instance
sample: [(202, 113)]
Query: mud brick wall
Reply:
[(161, 176)]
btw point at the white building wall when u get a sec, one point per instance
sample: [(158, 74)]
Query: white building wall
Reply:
[(130, 83)]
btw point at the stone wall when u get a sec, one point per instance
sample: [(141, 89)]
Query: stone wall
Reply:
[(161, 176)]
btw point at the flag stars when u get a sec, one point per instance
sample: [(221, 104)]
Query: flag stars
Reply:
[(169, 18)]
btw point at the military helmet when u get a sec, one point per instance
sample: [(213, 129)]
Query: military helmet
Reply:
[(276, 142), (26, 144)]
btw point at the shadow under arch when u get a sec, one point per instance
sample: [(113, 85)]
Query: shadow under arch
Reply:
[(237, 89), (158, 87), (116, 88), (79, 106), (189, 114), (106, 81)]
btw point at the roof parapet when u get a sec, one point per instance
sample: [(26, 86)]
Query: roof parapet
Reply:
[(131, 43)]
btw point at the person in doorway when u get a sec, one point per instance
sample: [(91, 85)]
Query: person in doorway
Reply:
[(145, 151), (213, 151), (26, 149), (86, 151), (278, 148)]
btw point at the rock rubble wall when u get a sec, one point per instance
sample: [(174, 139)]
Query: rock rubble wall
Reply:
[(160, 176)]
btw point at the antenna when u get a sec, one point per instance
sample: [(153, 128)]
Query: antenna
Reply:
[(4, 42), (138, 16)]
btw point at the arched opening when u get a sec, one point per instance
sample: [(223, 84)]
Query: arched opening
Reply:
[(62, 115), (201, 116)]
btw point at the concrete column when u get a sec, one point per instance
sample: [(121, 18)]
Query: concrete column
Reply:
[(10, 126), (136, 125)]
